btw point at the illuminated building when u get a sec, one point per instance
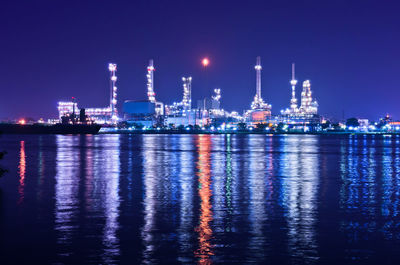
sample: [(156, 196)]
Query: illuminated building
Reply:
[(66, 107), (210, 110), (99, 115)]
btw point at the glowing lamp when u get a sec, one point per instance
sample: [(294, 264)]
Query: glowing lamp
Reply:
[(205, 62), (22, 122)]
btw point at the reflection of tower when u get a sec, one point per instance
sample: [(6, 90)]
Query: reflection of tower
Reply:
[(300, 185), (187, 93), (113, 91), (67, 183), (293, 101), (109, 181), (206, 215), (228, 181), (150, 186), (187, 187), (258, 102), (257, 195), (218, 184)]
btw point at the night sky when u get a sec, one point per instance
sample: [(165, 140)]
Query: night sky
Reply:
[(53, 50)]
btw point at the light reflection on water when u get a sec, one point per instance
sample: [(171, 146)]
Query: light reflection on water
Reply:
[(22, 172), (204, 229), (207, 198), (300, 169), (99, 160)]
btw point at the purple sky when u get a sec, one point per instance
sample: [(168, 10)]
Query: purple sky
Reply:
[(53, 50)]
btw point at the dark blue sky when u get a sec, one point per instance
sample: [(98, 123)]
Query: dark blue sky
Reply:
[(52, 50)]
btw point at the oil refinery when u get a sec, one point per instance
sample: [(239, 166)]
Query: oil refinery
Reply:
[(150, 113)]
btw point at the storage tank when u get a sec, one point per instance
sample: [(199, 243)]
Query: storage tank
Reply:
[(139, 108)]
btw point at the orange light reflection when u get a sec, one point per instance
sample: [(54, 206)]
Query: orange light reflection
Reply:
[(22, 171), (204, 252)]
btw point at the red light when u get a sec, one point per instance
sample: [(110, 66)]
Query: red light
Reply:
[(205, 62), (22, 122)]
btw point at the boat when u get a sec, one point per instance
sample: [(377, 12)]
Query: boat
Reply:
[(59, 128)]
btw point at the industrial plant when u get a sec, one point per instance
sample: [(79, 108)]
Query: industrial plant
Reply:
[(150, 113)]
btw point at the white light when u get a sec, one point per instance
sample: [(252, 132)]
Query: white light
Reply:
[(112, 67)]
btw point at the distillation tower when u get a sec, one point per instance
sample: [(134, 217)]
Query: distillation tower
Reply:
[(293, 101), (258, 102), (187, 93), (178, 108), (113, 91), (159, 106), (150, 82), (308, 106)]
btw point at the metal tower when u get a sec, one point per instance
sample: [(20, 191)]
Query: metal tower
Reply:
[(293, 101), (258, 77), (150, 82), (258, 102), (187, 93), (113, 91)]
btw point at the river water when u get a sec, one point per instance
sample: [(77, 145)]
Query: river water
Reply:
[(206, 199)]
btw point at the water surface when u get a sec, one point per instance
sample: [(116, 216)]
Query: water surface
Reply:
[(105, 199)]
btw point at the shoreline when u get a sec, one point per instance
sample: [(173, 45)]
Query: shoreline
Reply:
[(166, 132)]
